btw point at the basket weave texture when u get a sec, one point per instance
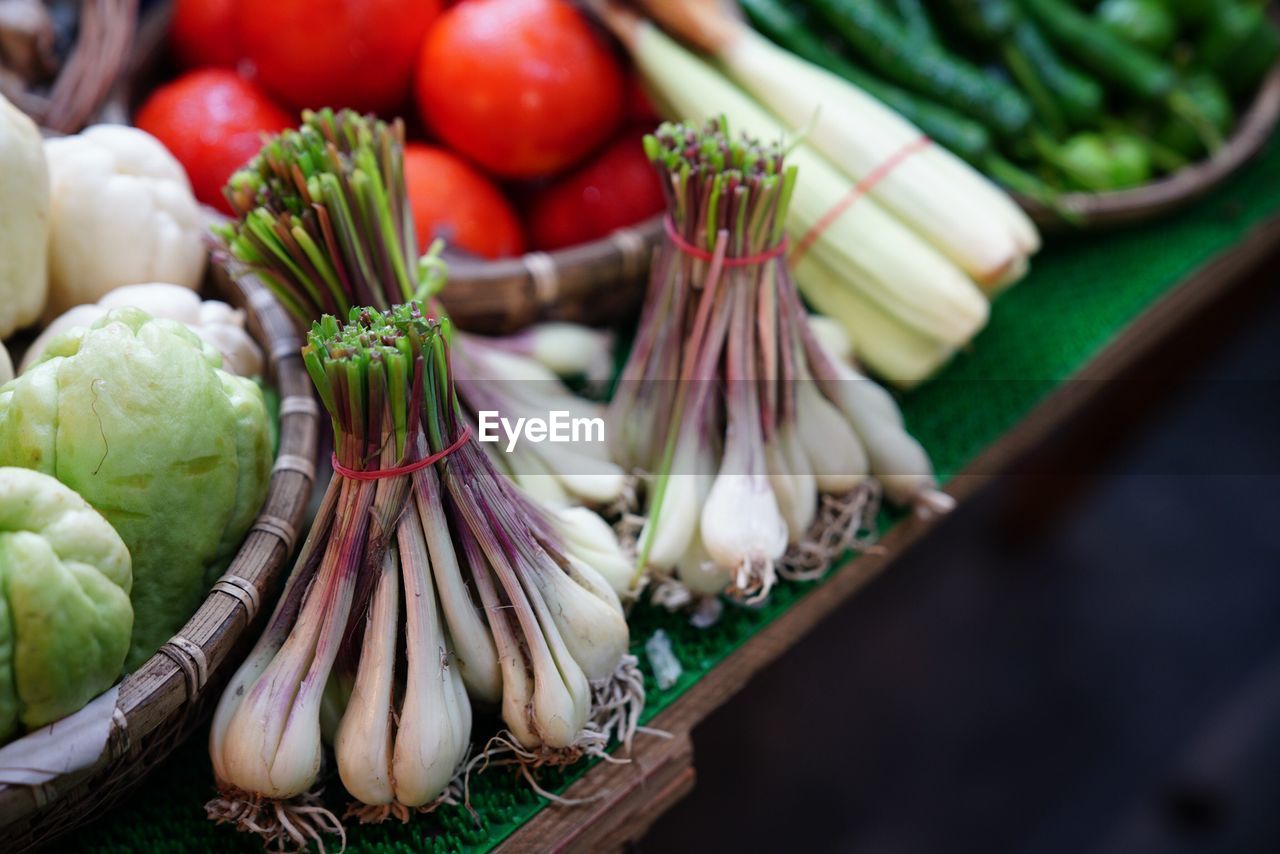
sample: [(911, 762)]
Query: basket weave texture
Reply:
[(87, 77)]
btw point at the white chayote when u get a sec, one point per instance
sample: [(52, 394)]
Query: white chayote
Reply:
[(24, 220), (122, 213), (215, 322)]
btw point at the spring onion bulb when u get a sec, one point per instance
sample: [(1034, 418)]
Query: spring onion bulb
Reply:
[(364, 740), (589, 539), (396, 757), (754, 467), (742, 526), (299, 203), (666, 536), (533, 476), (894, 457), (835, 337), (280, 816), (474, 649), (834, 453), (567, 349), (699, 574), (434, 722), (792, 480)]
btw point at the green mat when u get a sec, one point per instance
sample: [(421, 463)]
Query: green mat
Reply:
[(1083, 291)]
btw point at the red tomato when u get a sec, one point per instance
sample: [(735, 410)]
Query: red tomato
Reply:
[(212, 120), (617, 187), (336, 53), (450, 199), (203, 32), (522, 87)]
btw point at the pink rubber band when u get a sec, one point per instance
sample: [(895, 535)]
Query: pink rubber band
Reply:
[(703, 255), (408, 468)]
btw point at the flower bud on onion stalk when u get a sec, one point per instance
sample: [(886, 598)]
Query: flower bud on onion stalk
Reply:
[(324, 222), (725, 367)]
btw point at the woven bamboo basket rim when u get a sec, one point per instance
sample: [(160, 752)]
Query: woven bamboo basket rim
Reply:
[(88, 76), (164, 699), (598, 283), (1166, 195)]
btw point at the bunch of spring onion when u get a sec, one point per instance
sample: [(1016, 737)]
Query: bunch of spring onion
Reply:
[(324, 222), (764, 452), (428, 578), (897, 239), (400, 741)]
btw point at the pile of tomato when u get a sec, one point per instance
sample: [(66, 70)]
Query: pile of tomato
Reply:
[(526, 124)]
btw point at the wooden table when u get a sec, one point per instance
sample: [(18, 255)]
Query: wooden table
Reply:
[(628, 798)]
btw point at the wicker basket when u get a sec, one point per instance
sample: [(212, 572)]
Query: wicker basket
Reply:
[(598, 283), (167, 698), (95, 63)]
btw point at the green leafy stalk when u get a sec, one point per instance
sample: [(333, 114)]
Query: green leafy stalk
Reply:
[(324, 222), (369, 374), (324, 218)]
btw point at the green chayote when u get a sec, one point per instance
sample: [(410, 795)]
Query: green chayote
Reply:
[(65, 616), (136, 415)]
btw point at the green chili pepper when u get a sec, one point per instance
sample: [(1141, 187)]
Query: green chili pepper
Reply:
[(1191, 11), (1212, 101), (1098, 162), (884, 47), (915, 20), (1146, 23), (1129, 67), (1240, 44)]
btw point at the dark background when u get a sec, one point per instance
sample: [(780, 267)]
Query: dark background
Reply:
[(1086, 657)]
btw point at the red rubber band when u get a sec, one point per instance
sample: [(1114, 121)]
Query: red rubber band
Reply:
[(730, 261), (409, 468), (860, 189)]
